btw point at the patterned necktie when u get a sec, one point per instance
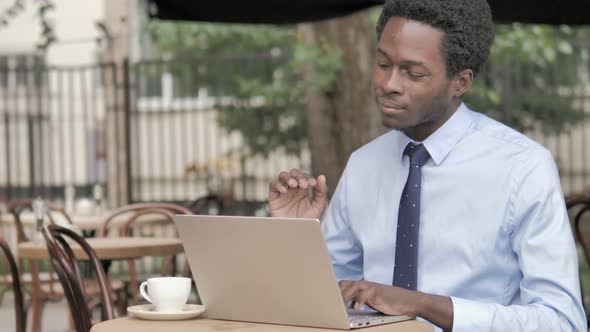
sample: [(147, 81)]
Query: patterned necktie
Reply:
[(408, 221)]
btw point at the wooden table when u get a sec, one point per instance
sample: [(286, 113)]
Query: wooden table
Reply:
[(105, 248), (110, 248), (81, 221), (128, 324)]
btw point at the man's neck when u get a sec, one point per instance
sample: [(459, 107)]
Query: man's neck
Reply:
[(423, 131)]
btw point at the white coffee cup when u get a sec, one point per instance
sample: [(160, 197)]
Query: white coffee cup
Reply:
[(167, 294)]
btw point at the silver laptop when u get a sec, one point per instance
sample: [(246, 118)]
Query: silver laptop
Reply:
[(268, 270)]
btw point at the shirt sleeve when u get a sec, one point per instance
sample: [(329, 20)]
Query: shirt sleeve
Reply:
[(542, 241), (344, 248)]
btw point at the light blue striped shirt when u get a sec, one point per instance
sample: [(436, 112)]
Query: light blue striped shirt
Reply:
[(494, 231)]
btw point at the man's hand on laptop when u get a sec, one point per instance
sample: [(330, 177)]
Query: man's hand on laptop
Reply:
[(383, 298), (392, 300), (295, 194)]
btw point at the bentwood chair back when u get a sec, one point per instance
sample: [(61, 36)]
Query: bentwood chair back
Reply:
[(52, 213), (49, 288), (160, 223), (20, 316), (67, 268), (578, 207)]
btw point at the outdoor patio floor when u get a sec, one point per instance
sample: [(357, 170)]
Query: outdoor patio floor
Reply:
[(55, 316)]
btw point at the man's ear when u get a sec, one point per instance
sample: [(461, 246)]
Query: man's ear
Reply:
[(462, 82)]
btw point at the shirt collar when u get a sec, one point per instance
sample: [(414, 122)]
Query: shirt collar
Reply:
[(440, 143)]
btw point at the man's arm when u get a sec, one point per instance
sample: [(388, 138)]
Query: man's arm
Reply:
[(542, 241)]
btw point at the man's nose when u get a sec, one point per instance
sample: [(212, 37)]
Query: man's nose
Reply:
[(394, 83)]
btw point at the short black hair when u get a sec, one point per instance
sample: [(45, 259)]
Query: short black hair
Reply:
[(467, 26)]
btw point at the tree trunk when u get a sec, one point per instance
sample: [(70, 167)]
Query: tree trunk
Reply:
[(345, 118)]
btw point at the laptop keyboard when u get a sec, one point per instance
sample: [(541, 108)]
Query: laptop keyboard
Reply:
[(357, 316)]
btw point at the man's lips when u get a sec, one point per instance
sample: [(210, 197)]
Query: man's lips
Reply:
[(390, 105)]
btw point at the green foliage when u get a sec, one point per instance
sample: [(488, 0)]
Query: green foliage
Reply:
[(185, 40), (273, 119), (539, 44), (529, 81), (255, 71), (531, 78), (326, 60)]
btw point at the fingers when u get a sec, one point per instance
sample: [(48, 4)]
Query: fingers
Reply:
[(288, 180), (283, 181), (359, 292), (296, 179), (349, 289), (362, 298), (293, 179), (300, 179), (321, 188), (345, 284), (275, 189)]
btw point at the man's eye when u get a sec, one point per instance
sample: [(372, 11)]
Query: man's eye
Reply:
[(383, 65), (414, 74)]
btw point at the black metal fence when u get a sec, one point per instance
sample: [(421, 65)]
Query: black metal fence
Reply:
[(52, 128), (66, 127), (71, 126)]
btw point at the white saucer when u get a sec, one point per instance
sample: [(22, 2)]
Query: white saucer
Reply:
[(146, 311)]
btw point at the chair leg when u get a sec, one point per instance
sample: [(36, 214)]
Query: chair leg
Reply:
[(122, 299), (36, 298), (72, 327), (36, 314), (133, 284), (3, 290)]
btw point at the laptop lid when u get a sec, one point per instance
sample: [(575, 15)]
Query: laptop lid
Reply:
[(269, 270)]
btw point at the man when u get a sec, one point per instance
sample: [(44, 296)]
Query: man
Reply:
[(452, 216)]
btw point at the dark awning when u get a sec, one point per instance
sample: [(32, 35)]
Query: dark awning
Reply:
[(257, 11), (556, 12), (572, 12)]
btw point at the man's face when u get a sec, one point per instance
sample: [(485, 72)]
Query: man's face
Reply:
[(410, 80)]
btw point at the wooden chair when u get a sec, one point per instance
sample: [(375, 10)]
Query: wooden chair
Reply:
[(584, 207), (204, 204), (67, 268), (53, 213), (5, 272), (578, 205), (50, 288), (20, 315), (135, 225)]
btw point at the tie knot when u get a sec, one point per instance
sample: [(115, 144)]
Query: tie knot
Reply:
[(417, 153)]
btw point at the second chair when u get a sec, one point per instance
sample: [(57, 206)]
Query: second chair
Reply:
[(145, 220)]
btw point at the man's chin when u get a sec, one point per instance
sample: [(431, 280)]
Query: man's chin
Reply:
[(390, 123), (390, 126)]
